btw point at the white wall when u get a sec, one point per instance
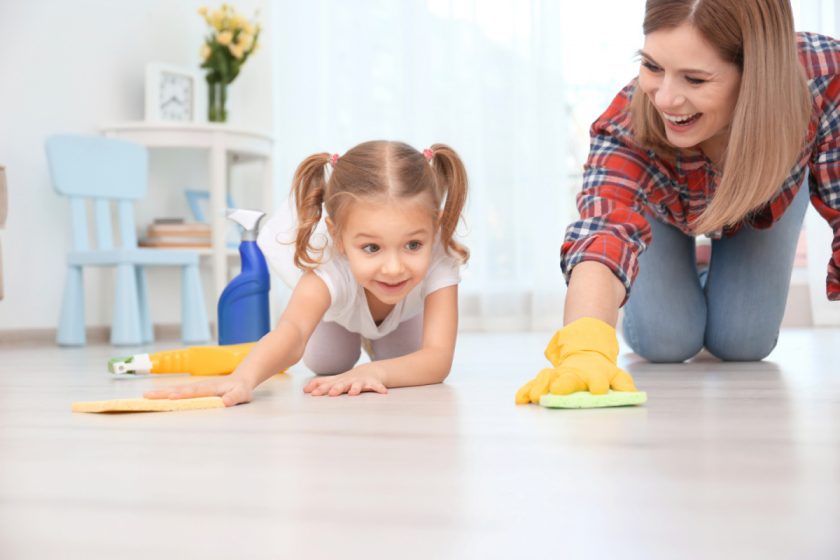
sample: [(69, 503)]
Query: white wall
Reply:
[(70, 67)]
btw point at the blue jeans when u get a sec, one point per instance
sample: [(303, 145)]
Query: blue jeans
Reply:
[(734, 310)]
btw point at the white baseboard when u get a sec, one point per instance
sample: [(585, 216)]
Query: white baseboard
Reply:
[(95, 335)]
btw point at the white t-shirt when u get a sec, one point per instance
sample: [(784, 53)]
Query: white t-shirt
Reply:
[(348, 305)]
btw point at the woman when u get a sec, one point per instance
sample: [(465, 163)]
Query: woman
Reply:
[(730, 113)]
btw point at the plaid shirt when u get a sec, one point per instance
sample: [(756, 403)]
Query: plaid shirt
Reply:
[(622, 180)]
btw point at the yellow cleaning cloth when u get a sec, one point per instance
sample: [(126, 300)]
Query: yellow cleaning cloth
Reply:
[(147, 405)]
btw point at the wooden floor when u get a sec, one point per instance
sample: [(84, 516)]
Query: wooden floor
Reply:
[(724, 461)]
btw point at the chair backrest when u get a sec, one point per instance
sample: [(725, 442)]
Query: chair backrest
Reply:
[(102, 170)]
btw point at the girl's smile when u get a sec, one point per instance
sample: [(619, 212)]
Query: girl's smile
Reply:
[(392, 287)]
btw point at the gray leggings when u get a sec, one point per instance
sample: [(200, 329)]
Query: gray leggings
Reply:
[(333, 349)]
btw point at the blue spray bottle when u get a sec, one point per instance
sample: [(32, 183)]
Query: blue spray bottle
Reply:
[(243, 306)]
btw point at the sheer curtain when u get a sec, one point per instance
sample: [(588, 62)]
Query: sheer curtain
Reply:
[(512, 85)]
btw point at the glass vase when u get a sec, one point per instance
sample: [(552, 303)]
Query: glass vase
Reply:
[(217, 97)]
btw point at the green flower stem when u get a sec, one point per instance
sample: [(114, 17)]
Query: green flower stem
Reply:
[(217, 100)]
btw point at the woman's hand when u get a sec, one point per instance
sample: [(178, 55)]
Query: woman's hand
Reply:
[(232, 390), (360, 379), (584, 355)]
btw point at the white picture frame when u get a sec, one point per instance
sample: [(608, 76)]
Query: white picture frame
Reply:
[(175, 94)]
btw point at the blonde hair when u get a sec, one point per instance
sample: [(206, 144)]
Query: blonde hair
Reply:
[(771, 116), (376, 169)]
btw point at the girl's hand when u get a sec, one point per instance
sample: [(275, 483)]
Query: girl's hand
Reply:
[(232, 390), (361, 379)]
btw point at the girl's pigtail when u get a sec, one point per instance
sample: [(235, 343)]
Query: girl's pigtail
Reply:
[(308, 188), (452, 179)]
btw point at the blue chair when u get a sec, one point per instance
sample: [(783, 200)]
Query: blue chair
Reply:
[(105, 171)]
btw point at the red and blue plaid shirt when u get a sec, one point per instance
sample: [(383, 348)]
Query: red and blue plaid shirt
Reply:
[(622, 179)]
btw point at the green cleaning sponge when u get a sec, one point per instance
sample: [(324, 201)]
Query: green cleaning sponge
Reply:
[(585, 399)]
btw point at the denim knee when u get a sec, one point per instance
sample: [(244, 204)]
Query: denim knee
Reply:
[(745, 346), (671, 344)]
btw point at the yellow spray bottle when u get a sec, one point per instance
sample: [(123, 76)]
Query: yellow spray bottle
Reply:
[(195, 360)]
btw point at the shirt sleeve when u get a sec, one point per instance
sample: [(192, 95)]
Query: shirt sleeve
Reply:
[(276, 240), (336, 274), (444, 271), (824, 181), (611, 229)]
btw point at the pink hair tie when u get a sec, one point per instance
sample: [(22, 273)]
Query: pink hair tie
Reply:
[(428, 153), (333, 159)]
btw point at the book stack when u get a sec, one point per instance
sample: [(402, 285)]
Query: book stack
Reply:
[(175, 234)]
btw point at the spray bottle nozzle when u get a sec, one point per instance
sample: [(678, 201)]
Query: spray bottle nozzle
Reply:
[(138, 363), (248, 219)]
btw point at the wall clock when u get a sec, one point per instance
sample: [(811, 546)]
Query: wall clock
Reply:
[(175, 94)]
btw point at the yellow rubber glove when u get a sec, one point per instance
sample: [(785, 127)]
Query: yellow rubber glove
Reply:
[(584, 355)]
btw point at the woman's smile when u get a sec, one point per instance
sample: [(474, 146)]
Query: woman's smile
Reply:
[(680, 123)]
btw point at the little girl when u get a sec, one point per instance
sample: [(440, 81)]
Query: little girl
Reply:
[(386, 276)]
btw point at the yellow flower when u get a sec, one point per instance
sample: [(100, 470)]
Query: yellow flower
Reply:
[(225, 37), (238, 22), (217, 19), (230, 30), (245, 41), (237, 51)]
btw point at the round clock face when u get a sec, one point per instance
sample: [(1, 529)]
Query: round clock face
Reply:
[(175, 97)]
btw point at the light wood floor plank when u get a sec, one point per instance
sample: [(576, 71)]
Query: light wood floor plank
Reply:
[(724, 461)]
